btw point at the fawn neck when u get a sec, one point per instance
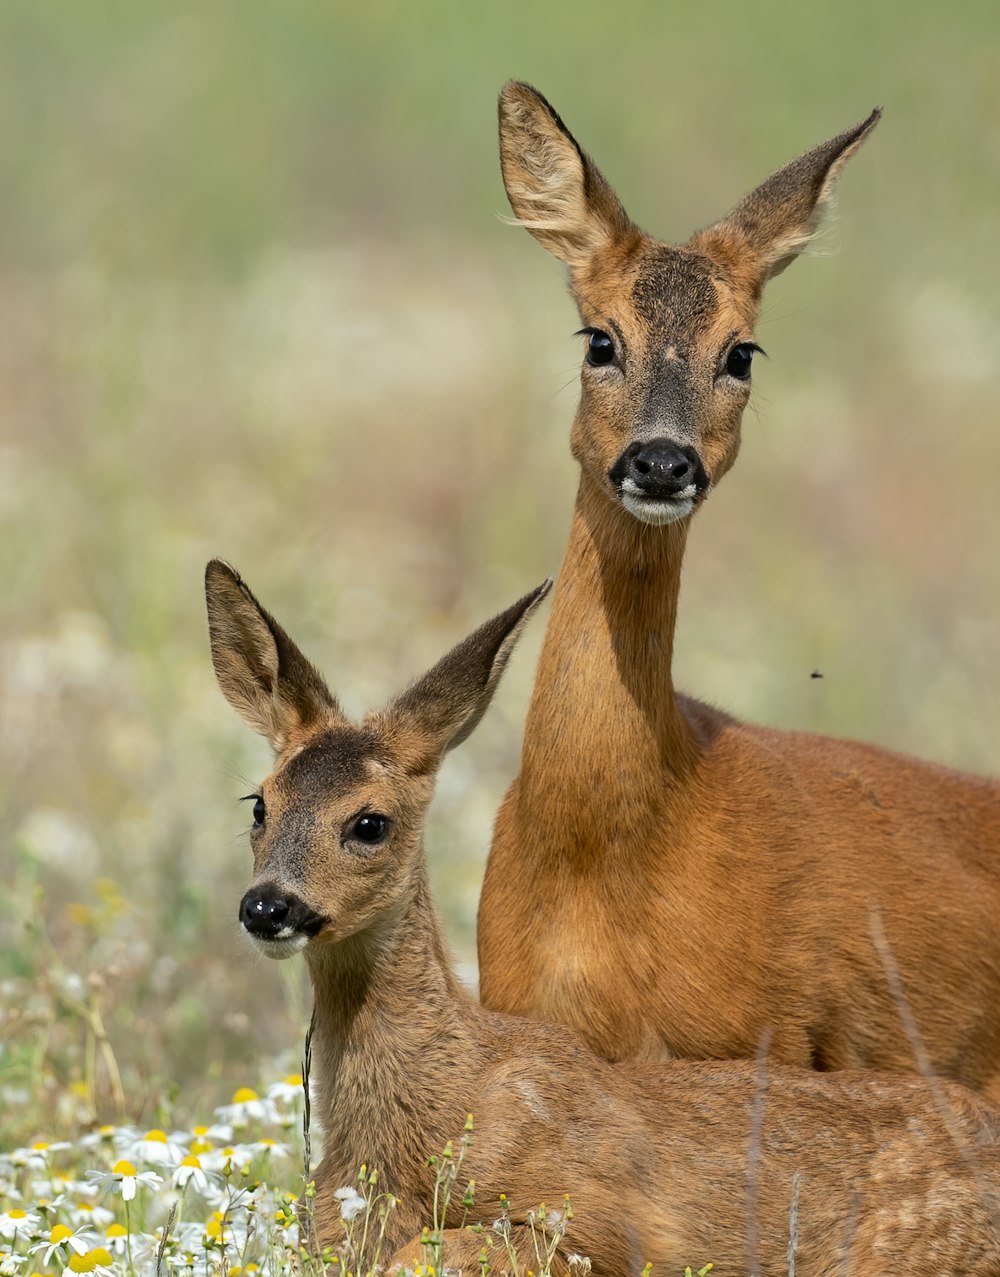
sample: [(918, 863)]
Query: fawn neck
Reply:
[(611, 632), (391, 1022)]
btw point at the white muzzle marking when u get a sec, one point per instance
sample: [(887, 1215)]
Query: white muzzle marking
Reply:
[(647, 510), (282, 946)]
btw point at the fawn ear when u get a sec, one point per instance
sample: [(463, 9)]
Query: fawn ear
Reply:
[(263, 675), (555, 190), (768, 229), (445, 705)]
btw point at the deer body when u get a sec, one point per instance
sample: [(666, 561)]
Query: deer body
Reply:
[(703, 881), (671, 1164), (403, 1055), (664, 878)]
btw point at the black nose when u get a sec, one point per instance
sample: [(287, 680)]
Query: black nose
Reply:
[(264, 910), (661, 468)]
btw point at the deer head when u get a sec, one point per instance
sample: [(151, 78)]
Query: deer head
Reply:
[(669, 329), (337, 826)]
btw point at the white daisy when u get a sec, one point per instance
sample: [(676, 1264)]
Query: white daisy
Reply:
[(220, 1132), (269, 1146), (77, 1240), (36, 1156), (90, 1213), (116, 1239), (16, 1222), (247, 1106), (124, 1177), (156, 1148), (190, 1171), (288, 1091), (105, 1135), (241, 1155)]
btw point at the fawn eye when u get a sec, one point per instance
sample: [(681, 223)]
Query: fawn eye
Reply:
[(739, 359), (600, 349), (258, 808), (370, 828)]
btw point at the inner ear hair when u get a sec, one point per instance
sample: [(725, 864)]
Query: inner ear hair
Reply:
[(556, 191), (443, 707), (778, 220), (261, 671)]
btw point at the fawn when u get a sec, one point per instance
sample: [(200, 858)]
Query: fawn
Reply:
[(664, 878), (673, 1163)]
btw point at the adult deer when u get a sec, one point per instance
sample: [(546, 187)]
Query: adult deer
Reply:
[(666, 879), (671, 1163)]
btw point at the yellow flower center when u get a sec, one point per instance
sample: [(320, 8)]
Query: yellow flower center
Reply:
[(123, 1168), (60, 1233), (17, 1214), (200, 1130), (293, 1079), (244, 1095), (89, 1261), (213, 1228), (40, 1145), (191, 1160), (158, 1137), (201, 1146), (115, 1230)]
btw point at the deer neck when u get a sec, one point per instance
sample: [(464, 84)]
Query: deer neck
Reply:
[(391, 1023), (604, 730)]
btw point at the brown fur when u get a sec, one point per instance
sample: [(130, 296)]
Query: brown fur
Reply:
[(671, 1164), (664, 878)]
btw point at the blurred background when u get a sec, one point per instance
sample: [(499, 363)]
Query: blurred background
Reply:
[(256, 300)]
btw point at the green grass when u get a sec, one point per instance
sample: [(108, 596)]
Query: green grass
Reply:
[(256, 301)]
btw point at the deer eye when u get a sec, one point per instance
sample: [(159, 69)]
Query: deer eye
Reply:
[(370, 828), (258, 808), (600, 349), (739, 359)]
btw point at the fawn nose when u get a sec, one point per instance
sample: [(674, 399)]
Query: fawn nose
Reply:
[(663, 469), (263, 911)]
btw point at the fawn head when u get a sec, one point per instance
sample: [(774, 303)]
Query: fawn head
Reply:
[(337, 825), (669, 329)]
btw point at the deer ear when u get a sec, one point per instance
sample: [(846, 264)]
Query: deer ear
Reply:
[(445, 705), (555, 190), (768, 229), (261, 672)]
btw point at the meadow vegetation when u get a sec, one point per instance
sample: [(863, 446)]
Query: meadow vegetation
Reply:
[(257, 301)]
